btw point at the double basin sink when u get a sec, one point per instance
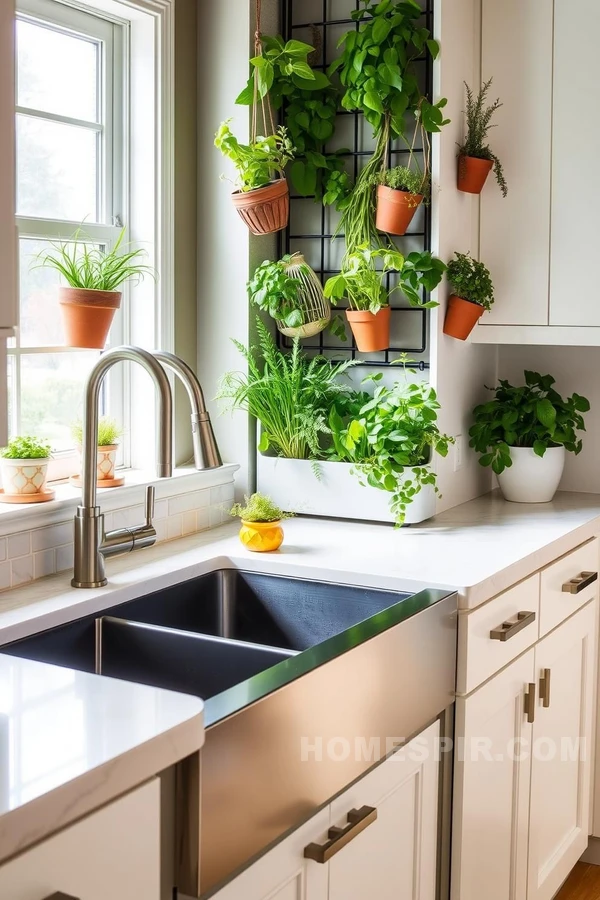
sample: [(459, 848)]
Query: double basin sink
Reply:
[(278, 661)]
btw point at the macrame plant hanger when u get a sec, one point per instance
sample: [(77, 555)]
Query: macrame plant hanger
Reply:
[(264, 102)]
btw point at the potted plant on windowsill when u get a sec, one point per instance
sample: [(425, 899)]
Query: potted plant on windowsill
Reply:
[(262, 196), (523, 433), (108, 444), (362, 282), (24, 466), (89, 303), (475, 158), (261, 529), (400, 192), (472, 293)]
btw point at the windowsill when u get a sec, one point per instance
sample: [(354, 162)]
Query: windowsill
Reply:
[(17, 516)]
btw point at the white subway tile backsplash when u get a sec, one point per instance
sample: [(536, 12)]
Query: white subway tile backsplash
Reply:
[(203, 518), (21, 570), (2, 549), (51, 536), (161, 509), (185, 502), (174, 527), (4, 576), (188, 522), (19, 544), (44, 563), (64, 558)]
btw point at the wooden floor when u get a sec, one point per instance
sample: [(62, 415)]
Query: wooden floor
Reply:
[(582, 884)]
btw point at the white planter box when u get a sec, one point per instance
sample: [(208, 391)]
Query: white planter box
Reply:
[(292, 484)]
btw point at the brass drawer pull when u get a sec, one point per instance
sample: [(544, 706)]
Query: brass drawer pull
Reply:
[(358, 820), (545, 688), (512, 626), (530, 703), (579, 583)]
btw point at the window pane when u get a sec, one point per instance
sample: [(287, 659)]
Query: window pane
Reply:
[(40, 316), (52, 394), (57, 169), (56, 72)]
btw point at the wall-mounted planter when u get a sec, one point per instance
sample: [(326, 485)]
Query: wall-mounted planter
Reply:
[(293, 485), (473, 173), (87, 316), (264, 210), (532, 478), (371, 330), (461, 317), (395, 209)]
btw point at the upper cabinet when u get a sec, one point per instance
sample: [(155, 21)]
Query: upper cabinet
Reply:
[(8, 248), (540, 241)]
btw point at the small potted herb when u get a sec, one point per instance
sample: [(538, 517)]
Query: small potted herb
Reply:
[(261, 529), (400, 191), (262, 197), (24, 466), (475, 158), (290, 292), (93, 276), (523, 433), (362, 282), (472, 293), (108, 444)]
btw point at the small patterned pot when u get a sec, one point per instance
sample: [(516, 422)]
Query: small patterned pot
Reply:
[(106, 460), (261, 536), (24, 476)]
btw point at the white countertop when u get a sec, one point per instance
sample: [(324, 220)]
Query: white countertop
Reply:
[(71, 742)]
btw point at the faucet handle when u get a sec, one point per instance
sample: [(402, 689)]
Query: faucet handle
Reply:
[(150, 494)]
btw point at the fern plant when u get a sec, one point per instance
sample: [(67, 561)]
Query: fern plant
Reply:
[(108, 432), (259, 508), (479, 122)]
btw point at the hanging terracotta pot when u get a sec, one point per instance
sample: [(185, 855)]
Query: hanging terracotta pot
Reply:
[(87, 315), (461, 317), (266, 209), (371, 330), (473, 173), (395, 209)]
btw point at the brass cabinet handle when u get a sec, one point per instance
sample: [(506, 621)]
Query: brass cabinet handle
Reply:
[(545, 688), (530, 703), (579, 582), (510, 627), (358, 820)]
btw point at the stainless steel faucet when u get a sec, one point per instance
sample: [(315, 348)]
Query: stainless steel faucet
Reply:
[(92, 543)]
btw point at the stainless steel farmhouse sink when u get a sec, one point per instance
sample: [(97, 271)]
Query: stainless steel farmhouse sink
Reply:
[(286, 666)]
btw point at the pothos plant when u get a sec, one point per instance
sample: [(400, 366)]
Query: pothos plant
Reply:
[(258, 162), (377, 69), (386, 434)]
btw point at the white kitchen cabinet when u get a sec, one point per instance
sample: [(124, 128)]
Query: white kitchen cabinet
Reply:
[(112, 854), (390, 855), (8, 248)]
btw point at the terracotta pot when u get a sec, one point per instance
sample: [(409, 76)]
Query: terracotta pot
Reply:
[(395, 209), (473, 173), (461, 317), (265, 209), (24, 476), (262, 537), (87, 315), (371, 330)]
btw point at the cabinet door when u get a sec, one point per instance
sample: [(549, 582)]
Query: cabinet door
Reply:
[(8, 250), (113, 854), (394, 858), (283, 873), (560, 780), (491, 787)]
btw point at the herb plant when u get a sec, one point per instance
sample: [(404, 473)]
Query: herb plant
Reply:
[(403, 178), (26, 447), (362, 280), (471, 280), (259, 162), (390, 432), (479, 118), (289, 394), (532, 415), (85, 265), (276, 293), (258, 508), (108, 432)]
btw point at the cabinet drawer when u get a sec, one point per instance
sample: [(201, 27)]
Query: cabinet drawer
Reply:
[(480, 655), (112, 854), (557, 601)]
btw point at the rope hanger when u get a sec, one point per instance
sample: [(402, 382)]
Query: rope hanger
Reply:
[(268, 120)]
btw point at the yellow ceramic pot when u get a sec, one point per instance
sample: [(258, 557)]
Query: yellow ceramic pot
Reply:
[(261, 536)]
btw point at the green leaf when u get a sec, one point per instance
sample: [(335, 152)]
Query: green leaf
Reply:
[(539, 447), (304, 177), (373, 101), (381, 29), (546, 414), (303, 70), (297, 48), (263, 445)]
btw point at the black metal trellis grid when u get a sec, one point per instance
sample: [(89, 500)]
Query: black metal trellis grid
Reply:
[(323, 343)]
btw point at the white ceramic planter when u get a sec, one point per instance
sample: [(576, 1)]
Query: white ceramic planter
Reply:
[(532, 478), (106, 460), (293, 485), (24, 476)]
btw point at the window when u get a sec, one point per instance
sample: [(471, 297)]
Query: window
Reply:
[(71, 160)]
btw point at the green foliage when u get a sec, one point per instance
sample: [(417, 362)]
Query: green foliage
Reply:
[(85, 265), (258, 163), (362, 280), (26, 447), (471, 280), (108, 432), (387, 433), (533, 415), (479, 122), (403, 178), (287, 393), (259, 508), (276, 293)]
